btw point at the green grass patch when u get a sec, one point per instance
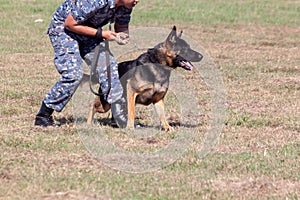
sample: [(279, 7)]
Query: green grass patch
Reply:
[(248, 120), (20, 33), (219, 12)]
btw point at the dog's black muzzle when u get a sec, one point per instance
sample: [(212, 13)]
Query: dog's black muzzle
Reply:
[(182, 62), (193, 56)]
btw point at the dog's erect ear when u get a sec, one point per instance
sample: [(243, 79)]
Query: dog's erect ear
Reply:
[(174, 28), (171, 39), (172, 36), (180, 34)]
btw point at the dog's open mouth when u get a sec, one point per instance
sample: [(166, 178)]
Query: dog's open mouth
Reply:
[(182, 62), (186, 65)]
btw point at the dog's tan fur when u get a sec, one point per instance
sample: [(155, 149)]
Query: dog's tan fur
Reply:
[(97, 106)]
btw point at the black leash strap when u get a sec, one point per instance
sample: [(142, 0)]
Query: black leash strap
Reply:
[(94, 66)]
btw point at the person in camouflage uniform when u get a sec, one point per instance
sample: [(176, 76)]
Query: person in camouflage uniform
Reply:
[(74, 31)]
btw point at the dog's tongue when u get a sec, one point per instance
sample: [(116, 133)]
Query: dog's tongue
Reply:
[(187, 65)]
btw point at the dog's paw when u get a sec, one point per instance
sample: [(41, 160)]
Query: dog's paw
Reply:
[(129, 127), (168, 128)]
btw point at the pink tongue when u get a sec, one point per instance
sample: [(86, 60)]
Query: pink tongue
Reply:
[(187, 64)]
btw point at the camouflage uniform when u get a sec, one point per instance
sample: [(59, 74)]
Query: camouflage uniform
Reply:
[(70, 48)]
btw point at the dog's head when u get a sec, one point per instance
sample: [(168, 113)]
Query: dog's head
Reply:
[(178, 52)]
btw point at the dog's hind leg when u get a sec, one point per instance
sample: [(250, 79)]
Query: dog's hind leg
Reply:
[(98, 105), (160, 109)]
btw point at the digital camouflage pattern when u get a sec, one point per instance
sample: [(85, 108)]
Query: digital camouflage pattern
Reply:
[(70, 48), (101, 70)]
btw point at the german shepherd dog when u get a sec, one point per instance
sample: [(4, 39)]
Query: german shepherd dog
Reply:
[(145, 80)]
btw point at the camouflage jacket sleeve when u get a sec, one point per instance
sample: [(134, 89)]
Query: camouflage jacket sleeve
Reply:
[(122, 16), (82, 10)]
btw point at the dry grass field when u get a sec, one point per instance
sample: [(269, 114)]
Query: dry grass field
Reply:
[(256, 46)]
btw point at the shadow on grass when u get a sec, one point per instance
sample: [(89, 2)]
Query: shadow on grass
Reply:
[(107, 121)]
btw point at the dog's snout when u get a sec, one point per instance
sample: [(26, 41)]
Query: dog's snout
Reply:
[(200, 56), (195, 56)]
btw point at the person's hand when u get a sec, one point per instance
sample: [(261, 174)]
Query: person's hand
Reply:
[(109, 35), (122, 38)]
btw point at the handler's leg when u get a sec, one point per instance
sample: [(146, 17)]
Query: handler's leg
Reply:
[(113, 95), (115, 92), (68, 63)]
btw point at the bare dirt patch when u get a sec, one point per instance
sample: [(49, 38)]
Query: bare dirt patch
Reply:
[(260, 68), (256, 187)]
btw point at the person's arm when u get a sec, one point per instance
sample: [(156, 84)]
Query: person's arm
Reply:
[(123, 19), (72, 25), (121, 28)]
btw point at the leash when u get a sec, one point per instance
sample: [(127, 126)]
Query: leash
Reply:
[(94, 66)]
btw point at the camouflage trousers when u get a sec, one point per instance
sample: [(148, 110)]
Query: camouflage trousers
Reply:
[(69, 53)]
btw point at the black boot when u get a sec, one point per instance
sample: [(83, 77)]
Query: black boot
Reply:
[(113, 122), (119, 112), (44, 117)]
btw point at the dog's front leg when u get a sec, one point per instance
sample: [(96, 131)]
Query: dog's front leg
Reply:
[(131, 95), (160, 109), (91, 114)]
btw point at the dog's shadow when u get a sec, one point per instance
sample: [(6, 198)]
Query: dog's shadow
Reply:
[(71, 120), (106, 121), (65, 120)]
